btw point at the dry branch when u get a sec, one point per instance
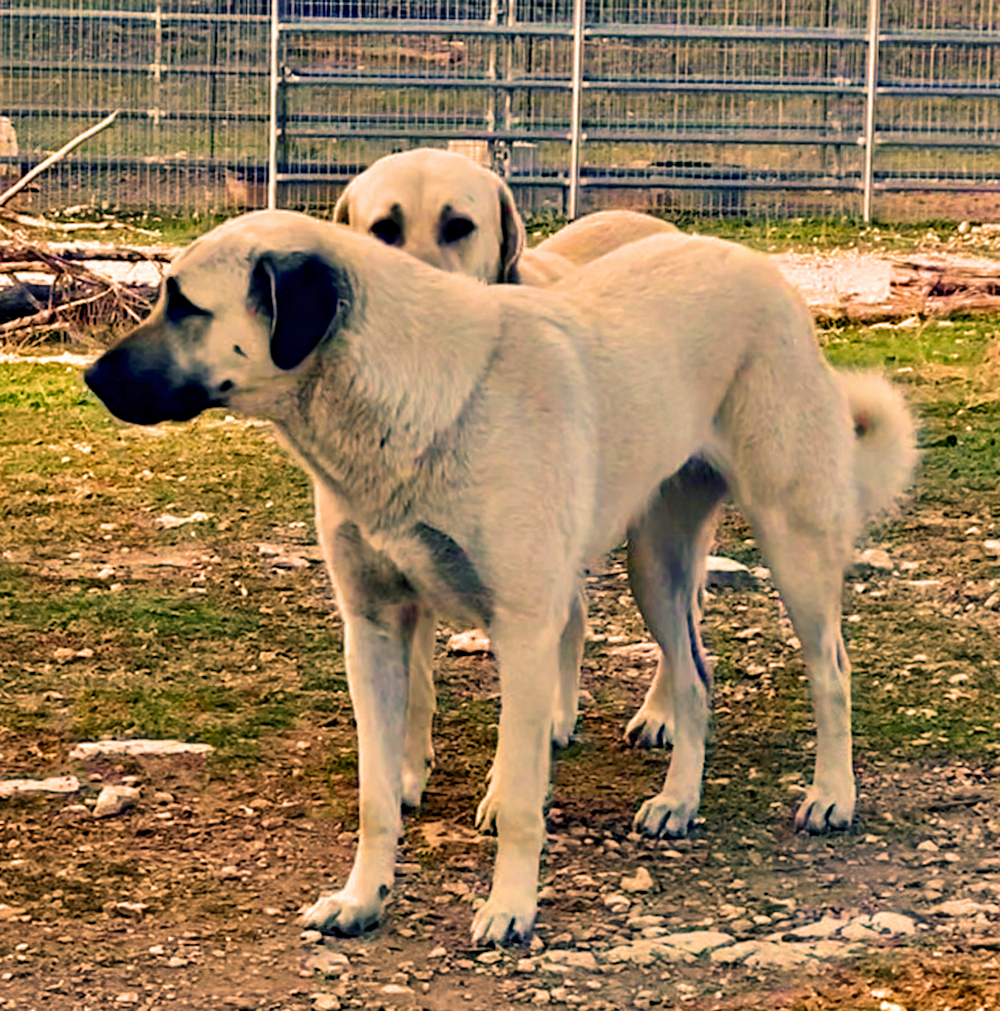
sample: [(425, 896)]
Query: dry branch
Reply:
[(58, 156)]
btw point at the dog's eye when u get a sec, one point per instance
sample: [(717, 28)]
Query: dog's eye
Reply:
[(387, 231), (456, 229), (179, 307)]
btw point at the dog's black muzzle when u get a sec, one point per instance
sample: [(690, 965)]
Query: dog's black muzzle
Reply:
[(138, 381)]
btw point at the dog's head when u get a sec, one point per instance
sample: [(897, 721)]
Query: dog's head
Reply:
[(240, 309), (441, 208)]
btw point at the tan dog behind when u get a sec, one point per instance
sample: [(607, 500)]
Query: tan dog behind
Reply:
[(457, 216), (472, 447)]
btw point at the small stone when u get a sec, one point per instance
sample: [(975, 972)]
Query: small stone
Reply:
[(396, 989), (326, 1002), (574, 959), (642, 882), (991, 547), (893, 923), (26, 787), (489, 957), (871, 561), (826, 927), (114, 800), (329, 963), (91, 749), (540, 996), (965, 907), (439, 952), (311, 937), (697, 942), (475, 641), (727, 572), (856, 931)]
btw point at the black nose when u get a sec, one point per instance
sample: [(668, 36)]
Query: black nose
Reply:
[(141, 385)]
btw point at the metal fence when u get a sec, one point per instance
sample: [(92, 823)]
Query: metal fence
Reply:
[(743, 107)]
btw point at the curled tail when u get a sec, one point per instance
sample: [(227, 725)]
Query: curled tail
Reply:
[(886, 439)]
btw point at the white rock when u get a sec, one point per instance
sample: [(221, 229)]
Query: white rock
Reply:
[(475, 641), (871, 560), (24, 787), (168, 522), (893, 924), (826, 927), (722, 571), (991, 547), (642, 882), (91, 749), (764, 955), (855, 931), (928, 846), (696, 942), (489, 957), (965, 907), (642, 953), (395, 988), (114, 800), (326, 1002), (572, 959)]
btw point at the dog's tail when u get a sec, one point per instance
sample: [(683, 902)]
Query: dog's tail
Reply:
[(886, 439)]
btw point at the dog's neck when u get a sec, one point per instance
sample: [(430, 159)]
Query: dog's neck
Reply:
[(382, 412)]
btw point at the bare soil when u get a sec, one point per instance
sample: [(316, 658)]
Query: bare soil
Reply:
[(190, 900)]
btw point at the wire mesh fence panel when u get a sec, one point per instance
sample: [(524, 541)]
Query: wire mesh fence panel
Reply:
[(937, 149), (190, 79), (743, 107)]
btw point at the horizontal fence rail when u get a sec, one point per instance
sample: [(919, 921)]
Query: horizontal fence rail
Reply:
[(888, 108)]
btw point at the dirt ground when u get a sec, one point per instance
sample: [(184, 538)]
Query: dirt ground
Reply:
[(190, 898)]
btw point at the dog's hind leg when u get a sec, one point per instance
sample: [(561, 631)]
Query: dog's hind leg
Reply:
[(418, 752), (684, 497), (567, 695), (667, 550), (806, 565)]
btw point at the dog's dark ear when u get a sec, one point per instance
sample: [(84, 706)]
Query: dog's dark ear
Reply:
[(342, 209), (300, 294), (513, 235)]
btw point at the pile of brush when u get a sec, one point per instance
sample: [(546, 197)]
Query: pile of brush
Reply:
[(48, 290)]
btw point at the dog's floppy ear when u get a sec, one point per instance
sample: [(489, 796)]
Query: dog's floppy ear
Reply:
[(300, 293), (342, 209), (512, 232)]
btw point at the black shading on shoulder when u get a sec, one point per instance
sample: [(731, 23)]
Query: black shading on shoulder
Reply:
[(456, 570)]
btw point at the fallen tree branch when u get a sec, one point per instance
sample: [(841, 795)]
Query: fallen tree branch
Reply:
[(58, 156)]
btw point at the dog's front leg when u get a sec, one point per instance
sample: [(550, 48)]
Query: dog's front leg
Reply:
[(376, 673), (529, 666)]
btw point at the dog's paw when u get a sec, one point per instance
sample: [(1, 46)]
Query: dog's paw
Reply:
[(486, 813), (666, 814), (820, 813), (414, 782), (503, 922), (342, 913), (650, 728), (563, 725)]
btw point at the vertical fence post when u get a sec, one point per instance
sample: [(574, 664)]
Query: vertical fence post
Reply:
[(576, 115), (272, 134), (871, 86)]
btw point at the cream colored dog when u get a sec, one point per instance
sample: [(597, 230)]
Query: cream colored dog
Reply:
[(473, 447), (455, 215)]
